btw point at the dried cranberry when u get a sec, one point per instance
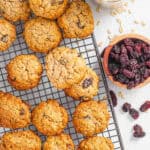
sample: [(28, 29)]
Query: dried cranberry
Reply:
[(144, 107), (116, 49), (146, 49), (124, 60), (113, 68), (128, 42), (147, 63), (138, 131), (139, 135), (113, 98), (130, 85), (87, 82), (115, 56), (123, 49), (134, 113), (126, 107), (128, 73), (138, 47)]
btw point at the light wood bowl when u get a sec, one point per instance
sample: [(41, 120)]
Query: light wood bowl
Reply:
[(106, 57)]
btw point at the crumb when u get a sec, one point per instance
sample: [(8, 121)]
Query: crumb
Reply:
[(129, 11), (98, 8), (133, 30), (143, 23), (100, 44), (120, 94), (98, 22), (136, 21), (108, 31)]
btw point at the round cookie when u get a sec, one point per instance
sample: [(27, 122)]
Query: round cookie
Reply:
[(91, 117), (96, 143), (65, 67), (7, 34), (50, 9), (59, 142), (77, 21), (87, 88), (24, 72), (15, 10), (49, 117), (42, 35), (20, 140), (14, 113)]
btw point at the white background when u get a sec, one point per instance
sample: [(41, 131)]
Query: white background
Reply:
[(140, 12)]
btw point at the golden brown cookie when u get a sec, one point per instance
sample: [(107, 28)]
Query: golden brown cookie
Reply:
[(77, 21), (50, 9), (42, 35), (20, 140), (7, 34), (59, 142), (87, 88), (96, 143), (14, 113), (49, 117), (91, 117), (65, 67), (15, 10), (24, 72)]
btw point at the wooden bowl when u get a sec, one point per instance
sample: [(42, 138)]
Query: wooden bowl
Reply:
[(106, 57)]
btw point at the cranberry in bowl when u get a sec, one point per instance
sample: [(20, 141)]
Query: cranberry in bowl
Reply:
[(126, 61)]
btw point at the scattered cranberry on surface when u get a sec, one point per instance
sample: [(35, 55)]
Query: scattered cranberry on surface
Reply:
[(144, 107), (113, 98), (138, 131), (134, 113), (129, 62), (126, 107)]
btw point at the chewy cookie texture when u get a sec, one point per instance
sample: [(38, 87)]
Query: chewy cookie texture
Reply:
[(42, 35), (15, 10), (20, 140), (96, 143), (65, 67), (59, 142), (7, 34), (77, 21), (50, 9), (49, 117), (14, 113), (24, 72), (91, 117), (87, 88)]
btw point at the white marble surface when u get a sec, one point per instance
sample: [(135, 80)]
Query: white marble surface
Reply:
[(140, 12)]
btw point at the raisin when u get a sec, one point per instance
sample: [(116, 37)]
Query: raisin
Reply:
[(87, 82), (144, 107), (22, 112), (81, 26), (126, 107), (134, 113), (138, 131), (113, 98), (4, 38)]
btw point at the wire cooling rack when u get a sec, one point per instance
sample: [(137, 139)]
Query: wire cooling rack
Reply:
[(87, 47)]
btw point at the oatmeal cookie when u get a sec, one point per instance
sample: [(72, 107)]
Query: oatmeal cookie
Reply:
[(96, 143), (14, 113), (50, 9), (7, 34), (24, 72), (59, 142), (87, 88), (20, 140), (91, 117), (77, 21), (65, 67), (15, 10), (42, 35), (49, 117)]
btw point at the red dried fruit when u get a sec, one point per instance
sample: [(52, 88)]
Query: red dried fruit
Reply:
[(144, 107), (134, 113), (129, 62), (113, 98), (126, 107), (87, 82), (138, 131)]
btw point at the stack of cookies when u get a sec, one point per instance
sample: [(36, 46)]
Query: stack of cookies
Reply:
[(66, 70)]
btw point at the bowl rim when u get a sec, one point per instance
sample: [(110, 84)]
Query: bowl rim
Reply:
[(108, 50)]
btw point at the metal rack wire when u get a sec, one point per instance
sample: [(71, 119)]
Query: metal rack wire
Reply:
[(87, 47)]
